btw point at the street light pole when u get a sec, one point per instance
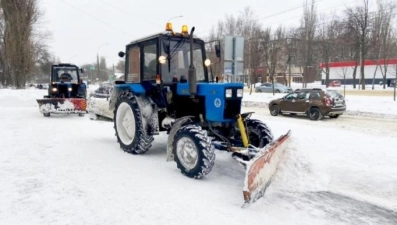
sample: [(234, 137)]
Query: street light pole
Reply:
[(174, 17), (97, 58)]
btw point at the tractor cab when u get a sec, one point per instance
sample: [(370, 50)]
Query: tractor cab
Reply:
[(66, 82), (173, 70)]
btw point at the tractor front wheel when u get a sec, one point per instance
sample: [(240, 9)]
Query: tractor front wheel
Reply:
[(193, 151), (259, 133), (129, 126), (259, 136)]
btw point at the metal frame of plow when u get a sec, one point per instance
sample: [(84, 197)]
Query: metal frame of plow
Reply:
[(261, 169)]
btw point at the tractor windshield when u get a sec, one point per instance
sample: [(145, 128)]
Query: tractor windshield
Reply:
[(176, 65), (65, 74)]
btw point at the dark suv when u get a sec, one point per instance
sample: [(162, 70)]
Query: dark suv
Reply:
[(315, 103)]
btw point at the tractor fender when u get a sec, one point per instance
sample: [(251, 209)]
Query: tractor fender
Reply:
[(149, 114), (175, 127)]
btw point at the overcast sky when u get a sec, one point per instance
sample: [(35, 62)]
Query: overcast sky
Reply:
[(80, 27)]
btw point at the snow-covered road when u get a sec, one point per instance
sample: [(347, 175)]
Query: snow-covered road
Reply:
[(70, 170)]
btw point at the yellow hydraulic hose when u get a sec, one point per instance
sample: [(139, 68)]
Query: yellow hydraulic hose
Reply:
[(241, 127)]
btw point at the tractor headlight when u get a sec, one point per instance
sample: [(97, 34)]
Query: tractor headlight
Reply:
[(70, 89), (239, 92), (54, 89), (162, 59), (228, 93)]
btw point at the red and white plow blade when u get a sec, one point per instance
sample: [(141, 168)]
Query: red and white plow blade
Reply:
[(262, 167), (62, 105)]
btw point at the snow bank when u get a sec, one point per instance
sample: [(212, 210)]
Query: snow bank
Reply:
[(370, 106)]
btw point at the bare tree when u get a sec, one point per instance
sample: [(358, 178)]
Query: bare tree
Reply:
[(386, 13), (327, 39), (308, 28), (120, 66), (359, 23), (20, 17)]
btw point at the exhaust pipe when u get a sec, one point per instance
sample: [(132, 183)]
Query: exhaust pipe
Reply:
[(192, 69)]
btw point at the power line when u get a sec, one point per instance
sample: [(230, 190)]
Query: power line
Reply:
[(332, 7), (288, 10), (129, 14), (107, 24)]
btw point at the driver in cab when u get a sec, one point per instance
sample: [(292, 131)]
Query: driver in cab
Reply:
[(66, 77)]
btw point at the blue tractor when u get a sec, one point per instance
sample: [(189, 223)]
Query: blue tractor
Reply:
[(167, 87)]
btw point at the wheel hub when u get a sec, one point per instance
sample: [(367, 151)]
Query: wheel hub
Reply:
[(125, 121), (187, 153)]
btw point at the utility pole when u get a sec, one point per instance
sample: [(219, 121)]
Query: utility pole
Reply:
[(395, 84), (289, 70), (97, 59)]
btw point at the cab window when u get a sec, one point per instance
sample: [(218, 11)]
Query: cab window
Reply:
[(134, 65), (149, 62), (291, 96)]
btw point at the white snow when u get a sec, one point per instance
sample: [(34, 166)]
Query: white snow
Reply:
[(66, 169)]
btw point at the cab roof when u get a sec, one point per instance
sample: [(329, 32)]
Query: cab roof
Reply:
[(157, 35)]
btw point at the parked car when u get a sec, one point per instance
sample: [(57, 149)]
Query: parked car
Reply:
[(268, 87), (335, 83), (315, 103)]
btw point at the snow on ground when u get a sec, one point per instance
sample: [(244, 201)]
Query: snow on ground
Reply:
[(70, 170)]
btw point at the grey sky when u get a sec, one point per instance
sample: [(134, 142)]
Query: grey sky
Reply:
[(80, 27)]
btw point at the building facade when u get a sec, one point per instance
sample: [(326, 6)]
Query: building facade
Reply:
[(343, 71)]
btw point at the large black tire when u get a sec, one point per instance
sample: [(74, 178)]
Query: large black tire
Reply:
[(259, 136), (274, 110), (200, 159), (314, 114), (46, 114), (259, 133), (128, 124)]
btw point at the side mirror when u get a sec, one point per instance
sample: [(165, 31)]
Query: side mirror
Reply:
[(82, 70), (218, 51), (121, 54)]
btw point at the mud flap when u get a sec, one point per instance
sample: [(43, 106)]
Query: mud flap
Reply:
[(62, 105), (260, 169)]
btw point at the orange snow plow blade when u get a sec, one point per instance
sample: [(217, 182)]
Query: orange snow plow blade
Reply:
[(62, 105), (262, 167)]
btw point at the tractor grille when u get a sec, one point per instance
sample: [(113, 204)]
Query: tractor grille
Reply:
[(232, 108), (63, 90), (232, 105)]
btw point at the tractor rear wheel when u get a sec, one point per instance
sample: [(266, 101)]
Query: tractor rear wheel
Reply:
[(129, 126), (193, 151)]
